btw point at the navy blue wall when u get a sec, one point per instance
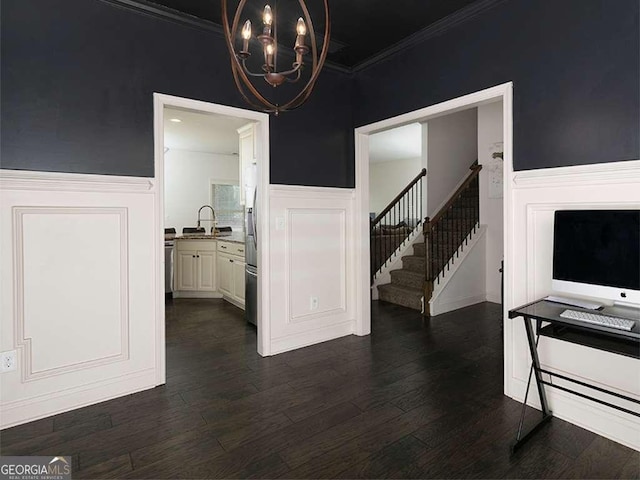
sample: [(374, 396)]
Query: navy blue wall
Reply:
[(77, 84), (575, 65), (78, 76)]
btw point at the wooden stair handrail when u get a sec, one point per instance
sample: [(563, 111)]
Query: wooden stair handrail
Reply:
[(389, 207), (475, 170)]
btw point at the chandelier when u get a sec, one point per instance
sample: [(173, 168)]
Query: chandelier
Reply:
[(247, 81)]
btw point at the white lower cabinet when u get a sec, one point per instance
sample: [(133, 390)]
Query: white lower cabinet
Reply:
[(231, 272), (195, 269)]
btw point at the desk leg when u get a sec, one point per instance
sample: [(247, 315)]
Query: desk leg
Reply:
[(535, 367)]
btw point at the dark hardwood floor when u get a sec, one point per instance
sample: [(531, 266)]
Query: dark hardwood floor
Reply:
[(416, 399)]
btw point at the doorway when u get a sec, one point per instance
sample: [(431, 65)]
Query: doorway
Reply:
[(362, 137), (163, 103)]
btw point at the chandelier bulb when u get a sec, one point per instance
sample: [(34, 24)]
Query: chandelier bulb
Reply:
[(267, 17), (301, 27), (246, 30)]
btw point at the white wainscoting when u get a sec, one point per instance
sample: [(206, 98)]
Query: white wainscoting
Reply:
[(311, 254), (78, 275), (532, 199)]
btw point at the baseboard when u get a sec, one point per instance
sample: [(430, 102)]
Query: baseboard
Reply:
[(30, 409), (194, 294), (292, 342), (233, 301)]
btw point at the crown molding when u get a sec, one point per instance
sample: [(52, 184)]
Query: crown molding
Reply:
[(461, 16), (145, 7), (165, 13)]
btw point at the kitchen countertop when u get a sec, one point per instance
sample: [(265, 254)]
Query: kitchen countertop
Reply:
[(233, 237)]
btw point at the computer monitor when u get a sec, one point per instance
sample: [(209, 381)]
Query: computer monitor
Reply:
[(596, 253)]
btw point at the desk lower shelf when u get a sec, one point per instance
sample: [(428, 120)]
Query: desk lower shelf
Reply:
[(594, 340)]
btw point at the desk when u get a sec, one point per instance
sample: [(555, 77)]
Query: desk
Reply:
[(602, 338)]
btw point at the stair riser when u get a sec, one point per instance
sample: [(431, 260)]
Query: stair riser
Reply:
[(418, 249), (401, 279), (413, 264), (399, 298)]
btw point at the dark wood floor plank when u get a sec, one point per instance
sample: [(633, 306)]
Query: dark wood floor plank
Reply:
[(568, 439), (389, 462), (631, 469), (116, 467), (188, 446), (418, 398), (101, 446), (539, 462), (119, 409), (601, 459), (49, 440), (27, 431), (240, 436), (296, 455), (478, 438), (347, 452)]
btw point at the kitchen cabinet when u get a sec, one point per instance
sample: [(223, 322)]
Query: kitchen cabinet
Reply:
[(247, 160), (231, 265), (196, 267)]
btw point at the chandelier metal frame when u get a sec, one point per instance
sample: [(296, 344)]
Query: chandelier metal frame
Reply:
[(242, 76)]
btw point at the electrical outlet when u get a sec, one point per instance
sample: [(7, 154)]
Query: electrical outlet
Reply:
[(8, 361), (313, 303)]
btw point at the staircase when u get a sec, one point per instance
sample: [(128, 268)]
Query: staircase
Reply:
[(407, 284), (445, 237)]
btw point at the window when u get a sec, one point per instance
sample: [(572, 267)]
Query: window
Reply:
[(225, 199)]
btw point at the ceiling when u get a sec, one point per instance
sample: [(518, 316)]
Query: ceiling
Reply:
[(360, 29), (201, 132), (399, 143)]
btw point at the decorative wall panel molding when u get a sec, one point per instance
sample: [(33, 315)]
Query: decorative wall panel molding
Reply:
[(316, 263), (60, 334)]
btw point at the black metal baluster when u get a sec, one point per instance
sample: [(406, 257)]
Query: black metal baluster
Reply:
[(455, 240)]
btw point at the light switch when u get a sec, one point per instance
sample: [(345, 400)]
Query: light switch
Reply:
[(279, 223)]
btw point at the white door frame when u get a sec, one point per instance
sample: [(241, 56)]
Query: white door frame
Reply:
[(502, 92), (160, 101)]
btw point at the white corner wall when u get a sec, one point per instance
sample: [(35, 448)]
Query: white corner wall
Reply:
[(451, 144), (387, 179), (187, 180), (311, 254), (77, 290), (490, 131), (533, 196)]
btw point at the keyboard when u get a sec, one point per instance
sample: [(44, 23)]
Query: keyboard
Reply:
[(599, 319)]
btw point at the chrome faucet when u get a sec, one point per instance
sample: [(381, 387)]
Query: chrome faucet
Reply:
[(212, 220)]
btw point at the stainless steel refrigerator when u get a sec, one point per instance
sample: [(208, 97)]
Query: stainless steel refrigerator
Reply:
[(251, 271)]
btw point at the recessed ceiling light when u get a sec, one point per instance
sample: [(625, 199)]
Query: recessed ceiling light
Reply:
[(175, 120)]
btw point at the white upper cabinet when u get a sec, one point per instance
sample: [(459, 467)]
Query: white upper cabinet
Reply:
[(247, 164)]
